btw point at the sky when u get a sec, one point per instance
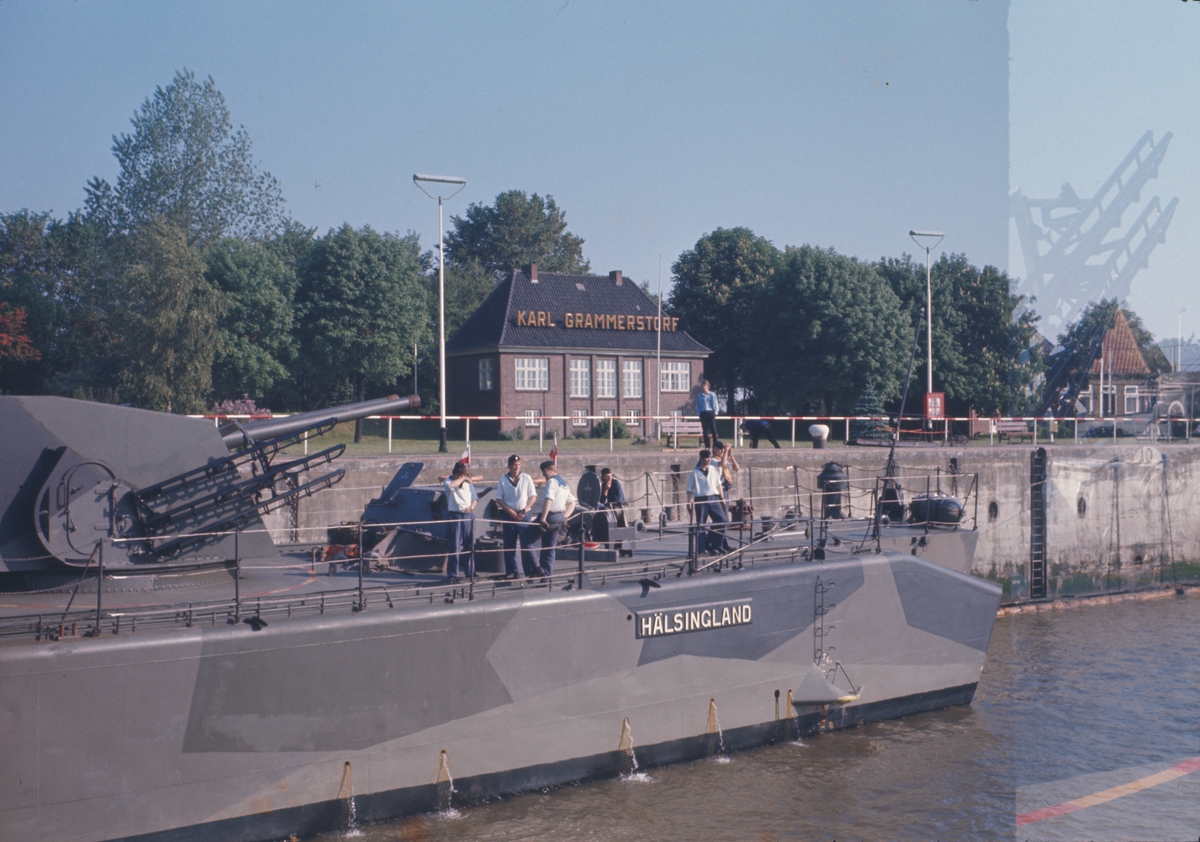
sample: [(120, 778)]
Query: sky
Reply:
[(837, 125)]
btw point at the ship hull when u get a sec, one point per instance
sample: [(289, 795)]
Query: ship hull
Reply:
[(226, 732)]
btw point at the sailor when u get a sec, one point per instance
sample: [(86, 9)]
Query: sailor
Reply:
[(704, 489), (557, 505), (515, 498), (460, 504), (756, 429), (612, 495)]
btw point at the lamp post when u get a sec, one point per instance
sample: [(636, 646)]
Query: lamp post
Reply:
[(917, 236), (421, 181)]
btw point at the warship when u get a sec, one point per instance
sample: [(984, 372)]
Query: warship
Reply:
[(168, 673)]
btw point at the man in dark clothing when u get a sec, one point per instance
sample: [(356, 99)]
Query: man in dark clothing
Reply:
[(756, 429)]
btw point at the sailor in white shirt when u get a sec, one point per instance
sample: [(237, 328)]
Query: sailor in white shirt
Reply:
[(515, 496), (704, 488), (460, 515), (557, 505)]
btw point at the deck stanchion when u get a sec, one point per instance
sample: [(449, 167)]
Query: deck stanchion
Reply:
[(237, 576), (793, 432), (582, 550), (360, 567), (389, 434), (100, 588)]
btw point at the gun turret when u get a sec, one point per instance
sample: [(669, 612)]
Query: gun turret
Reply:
[(237, 435)]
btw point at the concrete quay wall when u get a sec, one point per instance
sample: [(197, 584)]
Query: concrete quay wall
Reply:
[(1109, 507)]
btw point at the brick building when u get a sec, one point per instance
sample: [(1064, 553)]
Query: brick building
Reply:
[(1128, 381), (549, 344)]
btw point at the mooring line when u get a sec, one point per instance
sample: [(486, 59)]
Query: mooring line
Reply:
[(1176, 771)]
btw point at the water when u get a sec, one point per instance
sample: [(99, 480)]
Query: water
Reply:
[(1070, 704)]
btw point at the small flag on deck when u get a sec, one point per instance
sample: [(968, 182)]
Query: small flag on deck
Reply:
[(554, 450), (465, 459)]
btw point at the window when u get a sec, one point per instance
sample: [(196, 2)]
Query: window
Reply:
[(606, 413), (676, 377), (581, 379), (1085, 400), (606, 378), (532, 417), (533, 374), (1108, 400), (487, 378), (631, 378), (676, 413), (633, 418), (579, 418), (1131, 400)]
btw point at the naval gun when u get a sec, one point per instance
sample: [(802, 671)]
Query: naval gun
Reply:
[(157, 489)]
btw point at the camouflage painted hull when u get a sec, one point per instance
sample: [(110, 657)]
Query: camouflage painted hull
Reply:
[(226, 732)]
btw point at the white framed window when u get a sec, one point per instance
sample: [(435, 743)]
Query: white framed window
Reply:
[(1131, 400), (487, 375), (631, 378), (676, 413), (532, 416), (633, 417), (1108, 400), (676, 377), (606, 378), (533, 374), (581, 379), (606, 413), (579, 418), (1085, 400)]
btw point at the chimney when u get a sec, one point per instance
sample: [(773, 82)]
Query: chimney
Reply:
[(615, 277), (531, 271)]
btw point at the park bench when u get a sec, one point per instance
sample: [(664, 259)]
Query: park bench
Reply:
[(1014, 430), (676, 426)]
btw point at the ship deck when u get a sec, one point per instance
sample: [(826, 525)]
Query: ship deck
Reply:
[(294, 584)]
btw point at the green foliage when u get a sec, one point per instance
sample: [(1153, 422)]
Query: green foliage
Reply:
[(360, 307), (256, 347), (185, 163), (619, 430), (515, 434), (515, 230), (167, 323), (820, 330), (715, 282), (978, 346), (869, 403)]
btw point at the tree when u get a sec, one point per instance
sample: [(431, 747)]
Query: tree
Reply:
[(361, 306), (978, 345), (14, 344), (257, 347), (819, 331), (1099, 316), (167, 322), (515, 230), (714, 286), (184, 163)]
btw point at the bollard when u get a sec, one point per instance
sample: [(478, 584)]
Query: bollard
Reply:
[(820, 436)]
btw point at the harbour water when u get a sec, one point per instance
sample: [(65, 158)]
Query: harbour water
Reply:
[(1086, 725)]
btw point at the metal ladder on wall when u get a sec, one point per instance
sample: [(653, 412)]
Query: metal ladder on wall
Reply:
[(1037, 524)]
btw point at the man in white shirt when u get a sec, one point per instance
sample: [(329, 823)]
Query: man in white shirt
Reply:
[(460, 514), (515, 496), (704, 490), (557, 505)]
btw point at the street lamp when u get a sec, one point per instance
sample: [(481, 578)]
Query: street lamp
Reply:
[(917, 236), (421, 181)]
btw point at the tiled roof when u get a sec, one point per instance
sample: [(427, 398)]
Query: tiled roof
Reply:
[(496, 322), (1120, 352)]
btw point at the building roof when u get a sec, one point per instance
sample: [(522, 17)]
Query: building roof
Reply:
[(500, 320), (1120, 352)]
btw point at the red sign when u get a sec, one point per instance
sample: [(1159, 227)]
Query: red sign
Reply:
[(935, 405)]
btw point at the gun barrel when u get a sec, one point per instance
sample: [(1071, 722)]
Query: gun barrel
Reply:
[(235, 434)]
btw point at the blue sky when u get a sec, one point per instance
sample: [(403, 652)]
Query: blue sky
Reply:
[(839, 125)]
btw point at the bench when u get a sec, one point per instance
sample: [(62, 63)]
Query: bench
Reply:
[(1013, 430), (674, 427)]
